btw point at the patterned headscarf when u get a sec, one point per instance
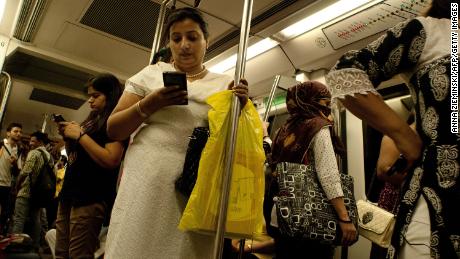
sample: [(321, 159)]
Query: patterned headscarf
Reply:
[(305, 120)]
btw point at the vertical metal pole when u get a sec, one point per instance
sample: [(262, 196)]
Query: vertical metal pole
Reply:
[(158, 29), (45, 122), (231, 141), (5, 97), (270, 97), (340, 161)]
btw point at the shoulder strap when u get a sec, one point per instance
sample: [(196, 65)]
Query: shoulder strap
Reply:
[(7, 151), (47, 161)]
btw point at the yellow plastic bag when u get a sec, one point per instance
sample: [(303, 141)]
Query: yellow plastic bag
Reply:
[(245, 215)]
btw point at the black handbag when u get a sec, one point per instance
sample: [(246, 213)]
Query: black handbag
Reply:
[(186, 181), (302, 208)]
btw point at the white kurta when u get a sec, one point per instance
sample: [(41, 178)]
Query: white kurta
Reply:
[(147, 209)]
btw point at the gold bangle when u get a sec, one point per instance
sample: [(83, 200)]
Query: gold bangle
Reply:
[(139, 111)]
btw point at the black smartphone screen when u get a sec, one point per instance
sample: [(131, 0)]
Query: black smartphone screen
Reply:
[(175, 78), (172, 78)]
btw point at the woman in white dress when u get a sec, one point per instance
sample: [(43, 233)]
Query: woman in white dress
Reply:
[(147, 209)]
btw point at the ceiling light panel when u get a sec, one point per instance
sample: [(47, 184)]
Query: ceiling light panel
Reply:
[(253, 51), (321, 17)]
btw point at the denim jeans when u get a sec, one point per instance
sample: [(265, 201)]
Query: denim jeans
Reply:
[(22, 212)]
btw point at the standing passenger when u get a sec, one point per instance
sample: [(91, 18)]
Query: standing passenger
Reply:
[(24, 207), (148, 209), (9, 158), (306, 138), (91, 174), (427, 224)]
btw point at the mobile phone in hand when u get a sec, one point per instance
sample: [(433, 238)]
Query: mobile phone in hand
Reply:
[(398, 166), (172, 78), (57, 118)]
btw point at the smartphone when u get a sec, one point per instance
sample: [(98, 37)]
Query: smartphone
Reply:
[(172, 78), (57, 118), (398, 166)]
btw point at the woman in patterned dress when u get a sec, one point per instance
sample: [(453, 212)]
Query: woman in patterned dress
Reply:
[(419, 49), (147, 209)]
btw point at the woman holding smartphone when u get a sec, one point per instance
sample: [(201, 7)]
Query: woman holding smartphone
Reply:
[(91, 175), (148, 209)]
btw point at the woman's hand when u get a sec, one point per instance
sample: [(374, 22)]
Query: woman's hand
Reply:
[(265, 125), (409, 144), (349, 233), (389, 153), (162, 97), (236, 246), (240, 90), (70, 130)]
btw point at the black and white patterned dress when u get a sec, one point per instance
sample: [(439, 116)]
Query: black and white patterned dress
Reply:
[(418, 49)]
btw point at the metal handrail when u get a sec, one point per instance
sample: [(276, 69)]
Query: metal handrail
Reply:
[(231, 140), (159, 29), (5, 96), (271, 96)]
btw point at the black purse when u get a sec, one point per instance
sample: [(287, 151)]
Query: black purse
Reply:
[(302, 208), (186, 181)]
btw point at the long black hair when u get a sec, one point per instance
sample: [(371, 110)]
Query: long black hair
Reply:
[(108, 85)]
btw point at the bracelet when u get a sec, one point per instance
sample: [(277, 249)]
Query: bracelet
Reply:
[(139, 110), (345, 221), (268, 140), (81, 135)]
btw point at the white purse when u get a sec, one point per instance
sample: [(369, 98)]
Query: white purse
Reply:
[(375, 223)]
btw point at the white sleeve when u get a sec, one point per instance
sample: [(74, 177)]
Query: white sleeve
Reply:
[(326, 165), (146, 80)]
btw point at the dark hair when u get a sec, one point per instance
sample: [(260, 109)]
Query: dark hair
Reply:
[(439, 9), (13, 125), (109, 85), (40, 136), (179, 15), (163, 54), (63, 160)]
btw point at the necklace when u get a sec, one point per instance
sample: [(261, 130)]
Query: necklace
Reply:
[(202, 71)]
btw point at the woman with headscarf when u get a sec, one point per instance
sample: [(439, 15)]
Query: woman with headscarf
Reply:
[(306, 138)]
